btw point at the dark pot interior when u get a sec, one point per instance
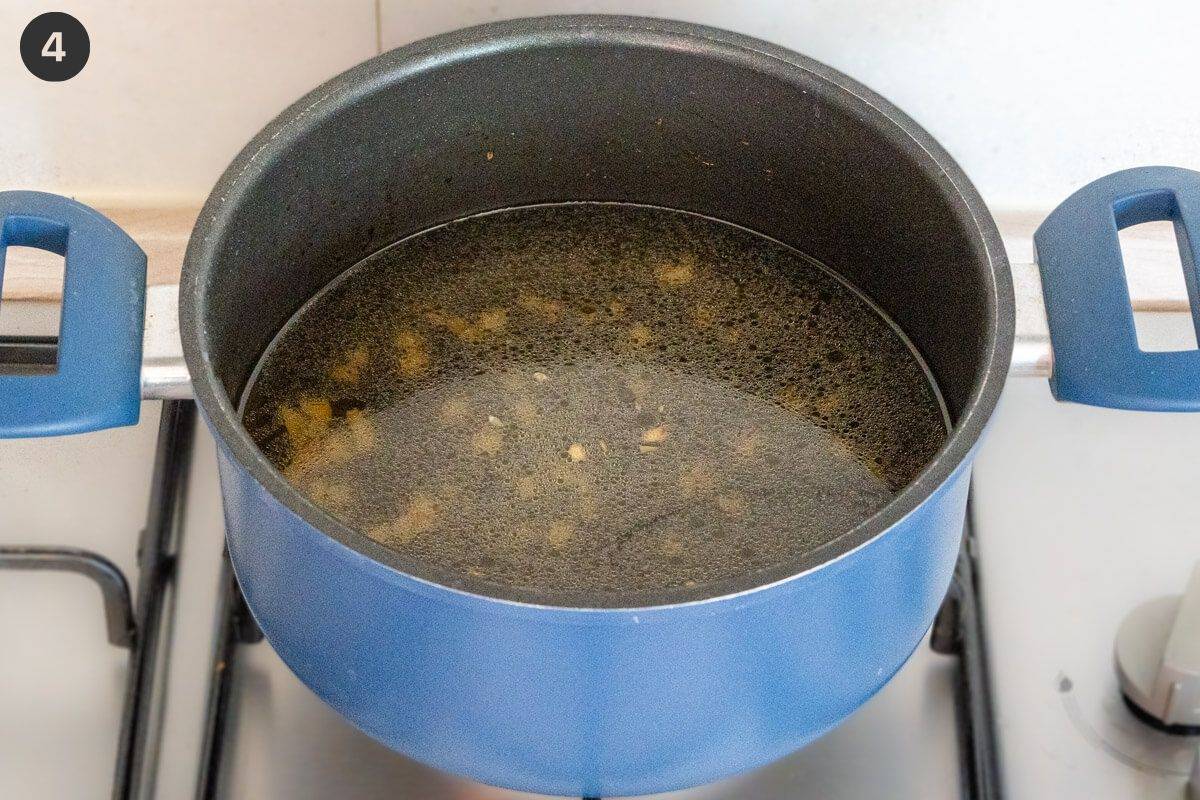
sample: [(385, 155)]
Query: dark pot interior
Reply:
[(602, 108)]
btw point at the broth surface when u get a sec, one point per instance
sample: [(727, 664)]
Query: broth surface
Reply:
[(594, 398)]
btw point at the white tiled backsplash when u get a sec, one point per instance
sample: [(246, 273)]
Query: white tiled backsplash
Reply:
[(1034, 97)]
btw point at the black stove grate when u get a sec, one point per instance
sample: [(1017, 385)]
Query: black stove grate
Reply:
[(140, 626), (235, 627), (959, 630), (137, 625)]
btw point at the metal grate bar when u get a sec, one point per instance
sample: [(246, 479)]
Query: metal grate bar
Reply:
[(958, 630), (114, 589), (134, 774)]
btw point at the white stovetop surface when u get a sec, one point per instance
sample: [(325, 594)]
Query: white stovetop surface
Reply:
[(1081, 514)]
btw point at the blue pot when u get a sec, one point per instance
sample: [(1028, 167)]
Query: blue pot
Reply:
[(589, 702), (573, 695)]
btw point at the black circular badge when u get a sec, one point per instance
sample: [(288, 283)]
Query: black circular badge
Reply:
[(55, 46)]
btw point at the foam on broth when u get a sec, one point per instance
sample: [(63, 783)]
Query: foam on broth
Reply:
[(594, 398)]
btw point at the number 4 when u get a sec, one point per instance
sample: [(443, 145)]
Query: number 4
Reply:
[(53, 47)]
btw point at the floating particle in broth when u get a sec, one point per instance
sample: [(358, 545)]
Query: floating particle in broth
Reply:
[(640, 334), (549, 310), (678, 273), (417, 518), (696, 479), (702, 315), (526, 487), (493, 319), (592, 400), (453, 323), (559, 534), (305, 421), (350, 368), (487, 441), (656, 435), (316, 408), (454, 409), (414, 357)]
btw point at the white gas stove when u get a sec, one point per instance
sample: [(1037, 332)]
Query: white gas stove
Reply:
[(1079, 515)]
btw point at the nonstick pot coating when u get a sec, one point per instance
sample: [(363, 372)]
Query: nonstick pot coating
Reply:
[(599, 108)]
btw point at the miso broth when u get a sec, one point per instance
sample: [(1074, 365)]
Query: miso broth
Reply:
[(596, 398)]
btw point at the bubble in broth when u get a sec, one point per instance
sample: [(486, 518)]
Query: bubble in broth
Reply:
[(594, 398)]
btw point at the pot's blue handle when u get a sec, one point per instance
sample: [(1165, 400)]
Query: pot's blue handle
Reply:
[(98, 380), (1096, 355)]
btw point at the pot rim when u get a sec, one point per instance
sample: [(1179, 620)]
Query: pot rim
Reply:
[(222, 204)]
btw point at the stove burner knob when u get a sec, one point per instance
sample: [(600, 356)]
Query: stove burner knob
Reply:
[(1158, 660)]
